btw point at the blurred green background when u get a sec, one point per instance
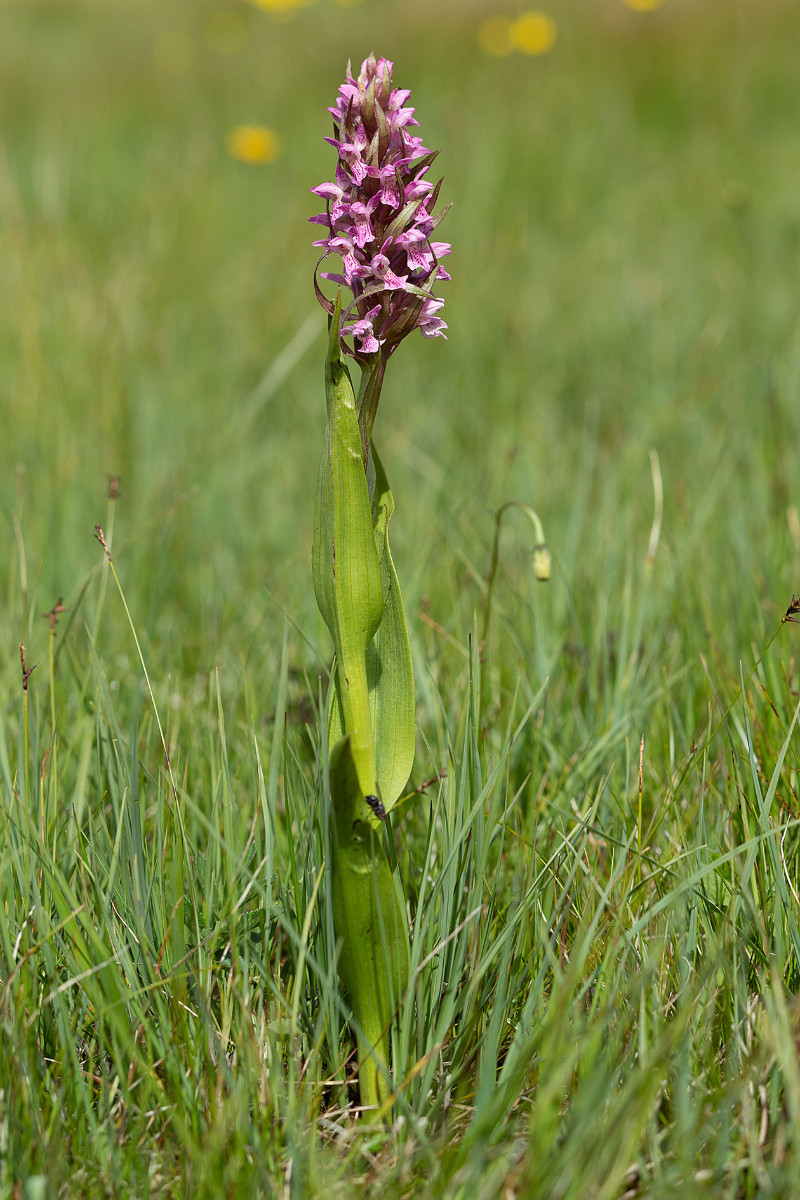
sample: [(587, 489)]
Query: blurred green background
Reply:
[(625, 233)]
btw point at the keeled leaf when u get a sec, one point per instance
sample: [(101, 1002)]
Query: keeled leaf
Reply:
[(390, 672), (370, 922), (347, 573)]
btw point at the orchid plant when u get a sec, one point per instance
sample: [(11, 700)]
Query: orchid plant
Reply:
[(379, 220)]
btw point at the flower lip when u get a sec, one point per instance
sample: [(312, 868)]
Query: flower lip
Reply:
[(379, 216)]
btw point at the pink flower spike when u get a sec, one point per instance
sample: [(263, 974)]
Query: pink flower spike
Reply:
[(379, 216)]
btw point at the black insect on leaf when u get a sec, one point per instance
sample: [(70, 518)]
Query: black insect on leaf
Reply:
[(377, 807)]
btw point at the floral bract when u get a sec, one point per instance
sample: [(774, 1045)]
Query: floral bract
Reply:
[(379, 216)]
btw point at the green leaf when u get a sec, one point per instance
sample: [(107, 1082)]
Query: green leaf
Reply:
[(370, 924), (390, 671), (347, 573)]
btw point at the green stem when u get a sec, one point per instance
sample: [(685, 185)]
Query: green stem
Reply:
[(370, 923), (541, 555), (25, 747), (101, 598), (369, 394)]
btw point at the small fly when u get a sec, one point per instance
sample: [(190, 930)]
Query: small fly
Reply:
[(376, 805)]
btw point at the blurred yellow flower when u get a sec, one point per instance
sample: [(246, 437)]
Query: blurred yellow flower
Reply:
[(494, 36), (174, 52), (280, 6), (224, 30), (533, 33), (643, 5), (254, 144)]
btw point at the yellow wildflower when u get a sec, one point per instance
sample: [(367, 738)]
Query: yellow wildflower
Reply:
[(643, 5), (283, 7), (534, 33), (253, 144)]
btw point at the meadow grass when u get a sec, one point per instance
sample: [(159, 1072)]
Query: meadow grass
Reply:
[(601, 856)]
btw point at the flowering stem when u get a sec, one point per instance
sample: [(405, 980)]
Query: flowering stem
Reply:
[(368, 397), (379, 220)]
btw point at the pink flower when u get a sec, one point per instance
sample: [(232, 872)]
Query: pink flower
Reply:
[(364, 331)]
